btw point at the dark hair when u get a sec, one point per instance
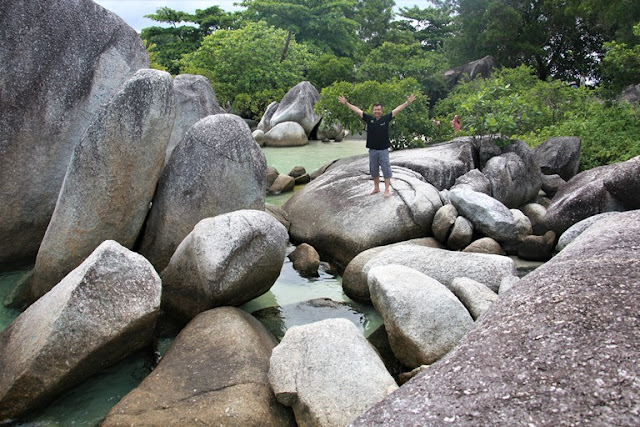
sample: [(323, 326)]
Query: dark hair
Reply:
[(377, 104)]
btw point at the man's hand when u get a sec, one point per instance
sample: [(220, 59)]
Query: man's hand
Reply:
[(411, 98), (353, 108), (342, 99)]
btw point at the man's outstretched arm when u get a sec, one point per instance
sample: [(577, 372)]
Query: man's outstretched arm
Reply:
[(404, 105), (353, 108)]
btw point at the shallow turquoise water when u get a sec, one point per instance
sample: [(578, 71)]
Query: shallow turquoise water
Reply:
[(88, 403)]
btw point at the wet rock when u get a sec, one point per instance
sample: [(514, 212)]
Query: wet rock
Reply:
[(97, 315), (61, 61), (423, 319), (209, 376), (226, 260), (217, 168), (305, 260), (328, 373), (111, 178), (195, 100)]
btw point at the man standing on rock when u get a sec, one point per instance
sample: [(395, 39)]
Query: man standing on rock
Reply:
[(378, 140)]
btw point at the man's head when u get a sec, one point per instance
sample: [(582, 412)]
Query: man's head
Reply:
[(377, 110)]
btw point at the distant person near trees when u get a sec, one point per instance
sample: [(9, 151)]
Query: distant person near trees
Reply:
[(378, 140), (455, 123)]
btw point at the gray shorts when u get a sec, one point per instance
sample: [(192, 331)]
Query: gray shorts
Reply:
[(379, 159)]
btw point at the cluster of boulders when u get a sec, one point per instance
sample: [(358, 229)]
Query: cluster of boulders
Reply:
[(143, 205)]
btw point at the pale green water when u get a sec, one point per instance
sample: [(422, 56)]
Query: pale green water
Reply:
[(88, 403)]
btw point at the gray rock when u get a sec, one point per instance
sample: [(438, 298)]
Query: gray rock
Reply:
[(195, 100), (475, 180), (328, 373), (551, 184), (304, 179), (598, 190), (539, 354), (98, 314), (487, 214), (305, 260), (226, 260), (461, 234), (265, 122), (272, 175), (111, 177), (439, 164), (576, 229), (443, 220), (536, 214), (630, 94), (559, 155), (354, 283), (286, 134), (217, 168), (258, 135), (282, 184), (208, 376), (507, 283), (444, 197), (423, 319), (278, 214), (379, 339), (512, 183), (442, 265), (337, 214), (297, 171), (475, 296), (297, 106), (333, 132), (523, 224), (485, 245), (482, 67), (537, 248), (61, 60)]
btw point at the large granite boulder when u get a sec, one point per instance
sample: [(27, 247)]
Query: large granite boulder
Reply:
[(226, 260), (111, 177), (297, 106), (214, 373), (475, 180), (482, 67), (576, 229), (424, 319), (195, 99), (337, 214), (101, 312), (439, 264), (487, 214), (598, 190), (286, 134), (559, 348), (439, 164), (61, 60), (512, 183), (475, 296), (265, 122), (559, 156), (217, 168), (328, 373)]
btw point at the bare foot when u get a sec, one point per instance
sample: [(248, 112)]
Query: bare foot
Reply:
[(386, 194), (375, 190)]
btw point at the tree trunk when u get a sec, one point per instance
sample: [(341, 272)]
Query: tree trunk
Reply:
[(286, 46)]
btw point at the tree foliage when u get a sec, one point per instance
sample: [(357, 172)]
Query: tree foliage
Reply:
[(408, 129), (620, 65), (247, 61)]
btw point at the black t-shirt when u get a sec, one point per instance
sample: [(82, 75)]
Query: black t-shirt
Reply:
[(378, 131)]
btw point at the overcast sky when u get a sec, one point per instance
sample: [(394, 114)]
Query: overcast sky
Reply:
[(133, 11)]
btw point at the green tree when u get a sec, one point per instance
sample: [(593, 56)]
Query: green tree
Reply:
[(375, 19), (323, 23), (431, 26), (620, 66), (179, 38), (247, 61), (328, 69), (411, 128)]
